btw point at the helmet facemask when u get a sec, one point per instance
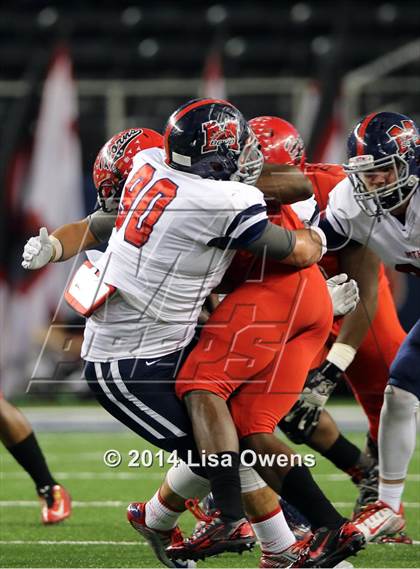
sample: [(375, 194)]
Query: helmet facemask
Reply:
[(250, 162), (109, 194), (377, 201)]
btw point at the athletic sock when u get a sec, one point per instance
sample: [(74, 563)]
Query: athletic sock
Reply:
[(301, 490), (226, 486), (159, 515), (272, 532), (29, 455), (347, 457), (391, 494), (343, 454)]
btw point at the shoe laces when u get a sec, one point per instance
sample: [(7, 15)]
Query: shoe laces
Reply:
[(349, 529), (294, 553), (193, 505), (207, 521), (302, 543), (368, 510)]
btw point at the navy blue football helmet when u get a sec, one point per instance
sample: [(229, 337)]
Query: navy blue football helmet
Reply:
[(383, 162), (212, 139)]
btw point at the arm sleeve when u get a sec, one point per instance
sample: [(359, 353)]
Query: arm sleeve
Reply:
[(276, 241), (101, 224)]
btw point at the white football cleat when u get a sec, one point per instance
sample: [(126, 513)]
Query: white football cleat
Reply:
[(378, 519)]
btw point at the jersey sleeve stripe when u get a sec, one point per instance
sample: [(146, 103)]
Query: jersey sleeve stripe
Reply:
[(316, 216), (245, 215), (247, 237), (247, 223)]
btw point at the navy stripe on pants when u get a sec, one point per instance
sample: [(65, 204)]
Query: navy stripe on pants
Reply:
[(140, 393)]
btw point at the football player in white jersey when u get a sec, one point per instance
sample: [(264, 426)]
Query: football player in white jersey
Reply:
[(224, 153), (378, 206)]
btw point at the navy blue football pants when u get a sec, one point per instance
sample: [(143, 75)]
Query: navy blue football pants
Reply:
[(405, 369), (140, 393)]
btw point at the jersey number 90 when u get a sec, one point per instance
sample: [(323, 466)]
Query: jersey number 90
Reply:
[(147, 211)]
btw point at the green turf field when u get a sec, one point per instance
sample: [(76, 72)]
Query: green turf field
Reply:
[(97, 535)]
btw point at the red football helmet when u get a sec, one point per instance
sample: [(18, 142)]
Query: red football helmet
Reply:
[(115, 161), (280, 141)]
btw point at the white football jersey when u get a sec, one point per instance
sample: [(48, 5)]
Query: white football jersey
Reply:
[(397, 244), (162, 257), (307, 210)]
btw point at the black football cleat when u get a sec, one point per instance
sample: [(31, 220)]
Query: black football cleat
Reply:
[(330, 546), (213, 536)]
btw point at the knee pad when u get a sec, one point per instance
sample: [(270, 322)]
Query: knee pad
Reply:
[(184, 482), (250, 479), (399, 402)]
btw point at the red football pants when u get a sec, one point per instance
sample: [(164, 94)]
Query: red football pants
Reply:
[(258, 346)]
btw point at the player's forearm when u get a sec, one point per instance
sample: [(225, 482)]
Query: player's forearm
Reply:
[(74, 237), (356, 325), (300, 248), (361, 264), (284, 183), (309, 248)]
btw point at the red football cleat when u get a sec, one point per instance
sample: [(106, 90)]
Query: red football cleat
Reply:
[(214, 536), (55, 504), (158, 540)]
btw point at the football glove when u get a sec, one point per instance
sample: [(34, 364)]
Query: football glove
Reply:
[(344, 294), (39, 250), (301, 421)]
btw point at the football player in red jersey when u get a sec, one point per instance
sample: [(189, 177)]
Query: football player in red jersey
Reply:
[(111, 168), (363, 352), (17, 436)]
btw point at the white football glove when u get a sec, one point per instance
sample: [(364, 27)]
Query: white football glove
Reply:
[(344, 294), (38, 251)]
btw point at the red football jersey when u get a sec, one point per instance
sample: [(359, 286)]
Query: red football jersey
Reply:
[(324, 177), (246, 266)]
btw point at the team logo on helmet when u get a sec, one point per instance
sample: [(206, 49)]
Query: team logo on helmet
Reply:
[(294, 147), (118, 146), (217, 133), (404, 136)]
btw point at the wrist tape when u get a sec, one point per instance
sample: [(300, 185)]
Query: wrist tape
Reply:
[(322, 237), (341, 355), (57, 249)]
